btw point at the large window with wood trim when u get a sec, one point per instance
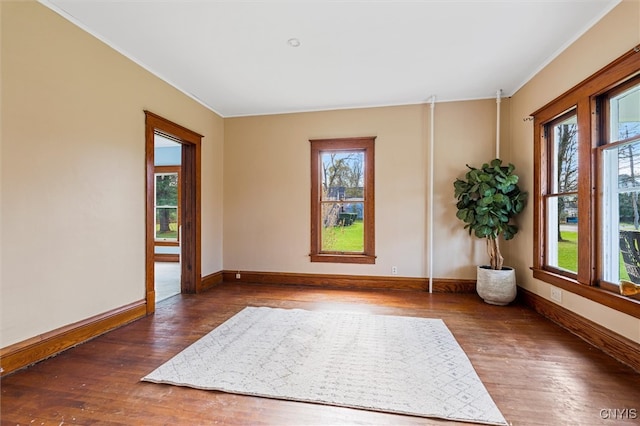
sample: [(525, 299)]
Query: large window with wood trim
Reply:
[(587, 167), (342, 200)]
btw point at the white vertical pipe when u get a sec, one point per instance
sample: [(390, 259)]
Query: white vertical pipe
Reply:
[(431, 162), (498, 100)]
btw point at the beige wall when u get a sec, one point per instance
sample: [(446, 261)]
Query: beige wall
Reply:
[(615, 34), (73, 173), (267, 187)]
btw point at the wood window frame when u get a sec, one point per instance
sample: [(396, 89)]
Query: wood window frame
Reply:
[(584, 98), (318, 146)]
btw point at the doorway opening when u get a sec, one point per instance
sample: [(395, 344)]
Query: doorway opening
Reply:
[(172, 223), (167, 196)]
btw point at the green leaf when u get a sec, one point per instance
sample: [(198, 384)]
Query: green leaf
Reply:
[(511, 179), (485, 201)]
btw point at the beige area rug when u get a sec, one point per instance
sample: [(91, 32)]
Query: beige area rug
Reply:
[(383, 363)]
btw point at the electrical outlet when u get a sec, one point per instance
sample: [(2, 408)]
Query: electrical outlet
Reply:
[(556, 294), (394, 270), (238, 275)]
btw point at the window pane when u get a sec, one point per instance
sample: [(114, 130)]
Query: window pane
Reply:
[(565, 156), (342, 175), (166, 223), (629, 256), (625, 115), (342, 227), (166, 189), (627, 166), (562, 229)]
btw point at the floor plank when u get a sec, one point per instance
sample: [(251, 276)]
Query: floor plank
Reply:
[(536, 372)]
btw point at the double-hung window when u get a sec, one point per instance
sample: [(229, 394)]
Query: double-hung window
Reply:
[(167, 202), (561, 203), (587, 179), (342, 200)]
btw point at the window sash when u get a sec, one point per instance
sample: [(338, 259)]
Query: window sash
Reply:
[(562, 251)]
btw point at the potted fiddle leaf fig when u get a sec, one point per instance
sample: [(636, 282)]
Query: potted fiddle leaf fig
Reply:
[(488, 199)]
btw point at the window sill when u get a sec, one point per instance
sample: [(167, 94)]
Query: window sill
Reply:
[(344, 258), (604, 297)]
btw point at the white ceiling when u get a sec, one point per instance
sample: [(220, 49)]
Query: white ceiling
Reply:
[(234, 58)]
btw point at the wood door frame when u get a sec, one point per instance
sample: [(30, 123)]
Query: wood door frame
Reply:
[(190, 254)]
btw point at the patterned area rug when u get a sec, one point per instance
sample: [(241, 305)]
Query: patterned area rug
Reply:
[(383, 363)]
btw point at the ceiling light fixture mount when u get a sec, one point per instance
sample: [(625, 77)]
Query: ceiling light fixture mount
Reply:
[(293, 42)]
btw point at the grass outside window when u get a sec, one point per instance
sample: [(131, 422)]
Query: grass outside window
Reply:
[(568, 254), (344, 239)]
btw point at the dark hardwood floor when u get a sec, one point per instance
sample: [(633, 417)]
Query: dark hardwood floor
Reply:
[(537, 373)]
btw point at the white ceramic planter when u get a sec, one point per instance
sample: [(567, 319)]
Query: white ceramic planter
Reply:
[(496, 287)]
